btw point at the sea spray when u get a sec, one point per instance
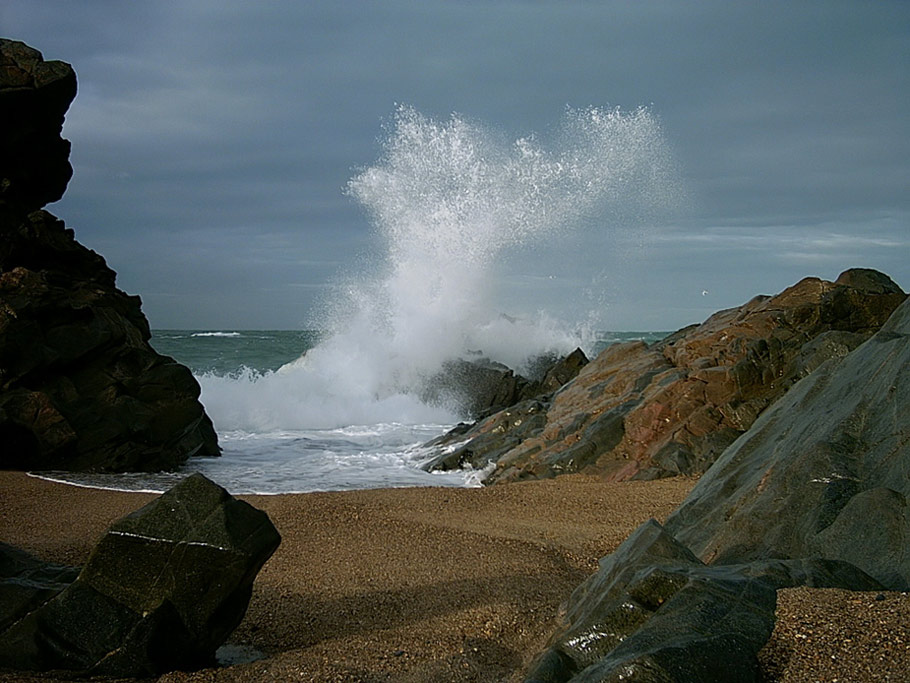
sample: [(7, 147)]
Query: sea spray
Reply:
[(448, 200)]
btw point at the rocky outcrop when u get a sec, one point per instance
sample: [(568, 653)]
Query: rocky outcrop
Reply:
[(162, 589), (644, 412), (517, 405), (80, 386), (814, 494), (34, 97), (825, 472)]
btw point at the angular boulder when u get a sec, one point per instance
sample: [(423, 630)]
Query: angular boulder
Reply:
[(639, 411), (654, 613), (161, 590), (80, 386)]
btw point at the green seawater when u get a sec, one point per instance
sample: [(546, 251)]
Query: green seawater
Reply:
[(228, 352)]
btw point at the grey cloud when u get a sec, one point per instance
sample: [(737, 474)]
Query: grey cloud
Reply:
[(212, 141)]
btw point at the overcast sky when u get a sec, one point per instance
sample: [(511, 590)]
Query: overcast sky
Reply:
[(212, 142)]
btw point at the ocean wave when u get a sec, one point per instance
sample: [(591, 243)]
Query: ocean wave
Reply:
[(216, 334)]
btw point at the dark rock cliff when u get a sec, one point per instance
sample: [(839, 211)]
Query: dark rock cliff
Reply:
[(80, 386)]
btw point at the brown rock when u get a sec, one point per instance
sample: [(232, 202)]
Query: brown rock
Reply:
[(672, 408)]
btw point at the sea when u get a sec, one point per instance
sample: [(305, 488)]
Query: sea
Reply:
[(273, 427), (450, 201)]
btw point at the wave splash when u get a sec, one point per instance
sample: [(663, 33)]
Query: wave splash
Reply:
[(448, 199)]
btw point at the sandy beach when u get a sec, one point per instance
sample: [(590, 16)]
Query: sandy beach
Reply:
[(412, 584), (439, 584)]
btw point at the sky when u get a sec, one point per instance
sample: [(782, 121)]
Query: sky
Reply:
[(213, 141)]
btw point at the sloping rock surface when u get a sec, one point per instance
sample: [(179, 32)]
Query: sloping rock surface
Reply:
[(825, 472), (161, 591), (80, 386), (672, 408)]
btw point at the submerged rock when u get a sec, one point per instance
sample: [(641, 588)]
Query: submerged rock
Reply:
[(162, 589), (80, 386), (639, 411)]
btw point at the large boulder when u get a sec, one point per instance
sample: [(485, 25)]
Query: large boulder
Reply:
[(639, 411), (825, 472), (80, 386), (162, 589)]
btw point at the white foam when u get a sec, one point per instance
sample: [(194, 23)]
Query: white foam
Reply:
[(448, 200)]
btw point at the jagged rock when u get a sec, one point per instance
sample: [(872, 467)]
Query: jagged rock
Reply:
[(654, 612), (502, 431), (672, 408), (565, 370), (161, 590), (476, 387), (80, 386), (515, 408), (482, 387), (825, 472)]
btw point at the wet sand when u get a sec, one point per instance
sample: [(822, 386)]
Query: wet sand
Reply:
[(418, 584)]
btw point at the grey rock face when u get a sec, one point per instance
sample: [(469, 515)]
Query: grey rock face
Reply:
[(161, 590), (654, 612), (815, 494), (825, 472)]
